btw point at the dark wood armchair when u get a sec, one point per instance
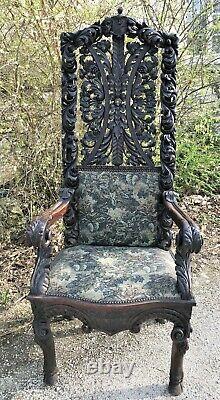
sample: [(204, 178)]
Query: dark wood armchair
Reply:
[(116, 270)]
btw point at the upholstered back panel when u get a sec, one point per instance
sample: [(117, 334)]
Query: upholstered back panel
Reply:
[(118, 207)]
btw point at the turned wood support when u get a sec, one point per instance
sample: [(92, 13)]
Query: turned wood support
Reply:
[(44, 338), (179, 348)]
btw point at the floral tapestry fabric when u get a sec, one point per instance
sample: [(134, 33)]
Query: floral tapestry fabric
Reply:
[(113, 274), (118, 208)]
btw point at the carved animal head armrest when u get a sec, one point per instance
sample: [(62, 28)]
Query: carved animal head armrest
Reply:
[(38, 231), (189, 235)]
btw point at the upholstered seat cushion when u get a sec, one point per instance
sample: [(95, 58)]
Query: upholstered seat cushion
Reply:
[(113, 274)]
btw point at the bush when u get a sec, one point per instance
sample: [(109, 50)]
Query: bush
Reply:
[(198, 156)]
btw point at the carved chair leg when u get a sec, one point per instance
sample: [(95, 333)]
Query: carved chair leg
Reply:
[(44, 338), (179, 348)]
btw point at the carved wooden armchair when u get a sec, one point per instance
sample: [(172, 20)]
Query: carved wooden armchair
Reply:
[(116, 270)]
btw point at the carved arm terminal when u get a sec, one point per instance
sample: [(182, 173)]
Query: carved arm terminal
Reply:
[(38, 235)]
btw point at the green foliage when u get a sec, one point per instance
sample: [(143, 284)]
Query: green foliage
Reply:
[(4, 298)]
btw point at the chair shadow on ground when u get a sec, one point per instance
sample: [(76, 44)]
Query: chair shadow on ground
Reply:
[(153, 391), (24, 338)]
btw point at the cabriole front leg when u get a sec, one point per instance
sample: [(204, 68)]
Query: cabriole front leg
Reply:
[(179, 348), (44, 338)]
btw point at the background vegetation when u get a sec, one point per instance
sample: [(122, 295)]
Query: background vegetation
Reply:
[(30, 96)]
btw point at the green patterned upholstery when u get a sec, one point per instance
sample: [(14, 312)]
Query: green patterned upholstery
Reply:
[(118, 207), (113, 274)]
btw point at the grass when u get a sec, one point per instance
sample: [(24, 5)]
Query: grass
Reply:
[(4, 298)]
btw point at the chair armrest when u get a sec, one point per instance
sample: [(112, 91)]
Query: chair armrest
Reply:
[(38, 232), (39, 236), (189, 234), (188, 240)]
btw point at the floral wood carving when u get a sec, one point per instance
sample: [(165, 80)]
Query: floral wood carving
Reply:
[(118, 102)]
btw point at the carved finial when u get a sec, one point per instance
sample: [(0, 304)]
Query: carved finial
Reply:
[(120, 10)]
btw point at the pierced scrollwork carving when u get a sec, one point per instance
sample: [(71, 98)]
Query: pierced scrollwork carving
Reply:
[(38, 235), (118, 102), (168, 96), (44, 338), (69, 312), (142, 72), (105, 104), (94, 316), (95, 101), (182, 260), (151, 37), (118, 106), (168, 103)]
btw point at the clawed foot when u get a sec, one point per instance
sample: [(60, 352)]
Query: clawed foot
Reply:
[(86, 328), (50, 379), (175, 390)]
